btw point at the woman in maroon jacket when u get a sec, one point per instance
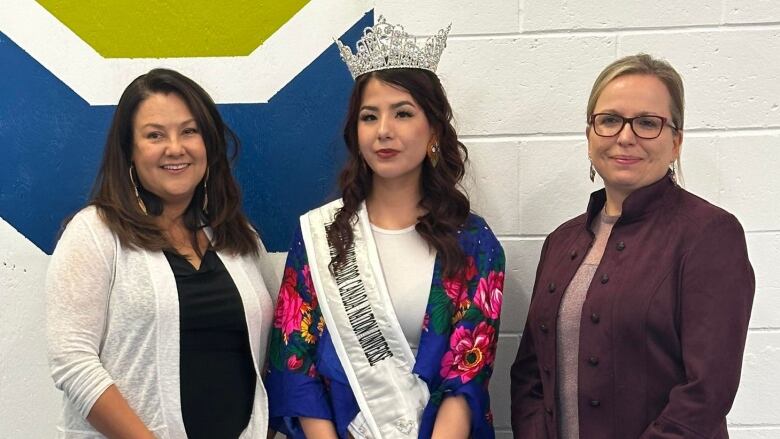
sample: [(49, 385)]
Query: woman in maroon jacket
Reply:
[(641, 305)]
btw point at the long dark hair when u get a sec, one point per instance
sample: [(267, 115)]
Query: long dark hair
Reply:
[(446, 206), (113, 192)]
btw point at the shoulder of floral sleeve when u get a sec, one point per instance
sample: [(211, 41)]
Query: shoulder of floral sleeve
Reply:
[(476, 236)]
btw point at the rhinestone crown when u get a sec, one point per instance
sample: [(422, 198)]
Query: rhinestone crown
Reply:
[(387, 46)]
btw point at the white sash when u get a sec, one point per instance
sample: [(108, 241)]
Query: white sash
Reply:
[(365, 331)]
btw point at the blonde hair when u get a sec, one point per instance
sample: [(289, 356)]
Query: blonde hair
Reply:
[(644, 64)]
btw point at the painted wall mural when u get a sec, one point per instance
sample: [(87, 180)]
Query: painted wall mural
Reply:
[(271, 67)]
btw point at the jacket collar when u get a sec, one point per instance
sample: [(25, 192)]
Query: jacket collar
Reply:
[(639, 203)]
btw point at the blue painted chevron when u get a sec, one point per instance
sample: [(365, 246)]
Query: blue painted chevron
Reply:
[(52, 141)]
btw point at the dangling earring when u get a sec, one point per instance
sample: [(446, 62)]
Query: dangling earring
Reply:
[(592, 172), (141, 204), (673, 173), (206, 191), (433, 153)]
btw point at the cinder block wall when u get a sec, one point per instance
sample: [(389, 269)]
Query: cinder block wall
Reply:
[(518, 74)]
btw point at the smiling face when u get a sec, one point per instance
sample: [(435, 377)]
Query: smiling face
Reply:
[(626, 162), (168, 150), (393, 132)]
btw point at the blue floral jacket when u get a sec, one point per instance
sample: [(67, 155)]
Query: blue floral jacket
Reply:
[(455, 356)]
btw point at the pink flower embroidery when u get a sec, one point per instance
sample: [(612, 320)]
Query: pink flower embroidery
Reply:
[(293, 363), (290, 277), (489, 294), (471, 268), (456, 290), (457, 287), (288, 309), (470, 350)]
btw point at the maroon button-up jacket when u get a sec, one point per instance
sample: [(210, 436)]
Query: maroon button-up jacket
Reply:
[(666, 316)]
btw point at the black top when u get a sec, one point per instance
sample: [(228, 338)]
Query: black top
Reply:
[(217, 373)]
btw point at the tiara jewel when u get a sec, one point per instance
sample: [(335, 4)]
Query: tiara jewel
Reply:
[(387, 46)]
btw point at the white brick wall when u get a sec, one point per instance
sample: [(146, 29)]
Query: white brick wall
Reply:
[(29, 404), (751, 11), (518, 74), (565, 15)]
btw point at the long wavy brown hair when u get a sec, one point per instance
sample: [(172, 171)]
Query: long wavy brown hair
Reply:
[(447, 208), (113, 193)]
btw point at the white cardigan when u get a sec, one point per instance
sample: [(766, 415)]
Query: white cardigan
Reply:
[(113, 318)]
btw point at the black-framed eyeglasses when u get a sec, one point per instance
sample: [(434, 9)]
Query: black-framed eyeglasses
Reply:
[(644, 127)]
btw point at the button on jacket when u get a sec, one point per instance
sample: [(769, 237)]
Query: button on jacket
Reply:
[(663, 326)]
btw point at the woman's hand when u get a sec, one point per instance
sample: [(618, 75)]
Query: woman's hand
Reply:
[(453, 419), (315, 428), (112, 416)]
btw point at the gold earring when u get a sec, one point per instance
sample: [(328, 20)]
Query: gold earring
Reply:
[(673, 173), (433, 153), (141, 204), (206, 191)]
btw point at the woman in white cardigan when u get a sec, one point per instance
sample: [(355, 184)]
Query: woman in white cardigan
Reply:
[(158, 311)]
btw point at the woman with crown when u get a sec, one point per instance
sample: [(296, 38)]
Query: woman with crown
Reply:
[(387, 319)]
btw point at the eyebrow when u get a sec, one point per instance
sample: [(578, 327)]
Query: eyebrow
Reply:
[(618, 113), (393, 106), (156, 125)]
